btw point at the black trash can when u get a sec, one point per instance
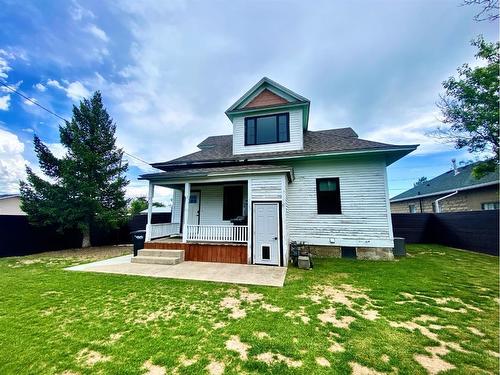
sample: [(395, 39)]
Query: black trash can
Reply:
[(138, 238), (399, 247)]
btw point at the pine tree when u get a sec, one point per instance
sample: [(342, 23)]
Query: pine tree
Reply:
[(86, 187)]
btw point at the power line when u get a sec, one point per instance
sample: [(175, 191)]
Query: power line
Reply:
[(55, 114), (31, 100)]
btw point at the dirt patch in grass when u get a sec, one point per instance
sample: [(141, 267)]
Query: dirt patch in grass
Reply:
[(335, 347), (186, 362), (433, 364), (358, 369), (301, 314), (94, 252), (322, 361), (439, 302), (330, 316), (153, 369), (233, 304), (215, 368), (271, 358), (262, 335), (235, 344), (89, 357)]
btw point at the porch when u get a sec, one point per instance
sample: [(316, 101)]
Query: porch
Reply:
[(226, 215), (203, 251)]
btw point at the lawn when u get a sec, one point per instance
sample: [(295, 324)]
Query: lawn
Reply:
[(435, 310)]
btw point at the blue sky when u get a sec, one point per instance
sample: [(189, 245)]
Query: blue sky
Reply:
[(168, 70)]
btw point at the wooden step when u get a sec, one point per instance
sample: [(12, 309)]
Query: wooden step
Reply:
[(162, 253), (156, 260)]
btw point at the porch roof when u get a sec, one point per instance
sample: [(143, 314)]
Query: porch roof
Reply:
[(246, 169)]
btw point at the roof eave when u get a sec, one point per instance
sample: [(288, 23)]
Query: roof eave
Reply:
[(404, 149), (477, 186)]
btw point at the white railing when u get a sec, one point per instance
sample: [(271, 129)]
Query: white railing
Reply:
[(164, 229), (217, 233)]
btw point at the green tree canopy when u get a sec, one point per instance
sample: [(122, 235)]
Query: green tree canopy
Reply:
[(470, 107), (422, 180), (86, 186), (140, 204)]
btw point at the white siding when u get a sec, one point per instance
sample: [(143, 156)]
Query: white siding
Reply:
[(267, 188), (364, 219), (296, 136), (176, 206), (211, 204)]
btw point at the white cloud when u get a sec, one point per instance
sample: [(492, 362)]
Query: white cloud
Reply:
[(77, 12), (97, 32), (30, 102), (415, 131), (74, 90), (40, 87), (77, 91), (4, 102), (57, 149), (54, 83), (28, 130), (12, 162)]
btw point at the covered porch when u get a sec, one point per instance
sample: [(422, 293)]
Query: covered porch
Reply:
[(215, 214)]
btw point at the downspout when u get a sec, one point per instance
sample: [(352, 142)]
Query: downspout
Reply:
[(436, 202)]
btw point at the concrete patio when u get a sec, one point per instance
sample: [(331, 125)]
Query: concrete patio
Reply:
[(202, 271)]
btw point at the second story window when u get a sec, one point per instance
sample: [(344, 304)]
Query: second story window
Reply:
[(263, 130)]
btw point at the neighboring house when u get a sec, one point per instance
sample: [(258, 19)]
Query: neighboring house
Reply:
[(454, 191), (273, 181), (10, 204)]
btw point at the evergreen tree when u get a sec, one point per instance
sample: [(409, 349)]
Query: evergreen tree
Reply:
[(86, 187)]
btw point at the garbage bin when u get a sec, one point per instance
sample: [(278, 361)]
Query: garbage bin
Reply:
[(138, 238), (399, 247)]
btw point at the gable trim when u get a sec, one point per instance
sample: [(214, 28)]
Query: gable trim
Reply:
[(270, 83)]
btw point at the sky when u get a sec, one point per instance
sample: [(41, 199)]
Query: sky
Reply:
[(168, 70)]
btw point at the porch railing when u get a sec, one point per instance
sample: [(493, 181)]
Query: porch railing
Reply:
[(217, 233), (164, 229)]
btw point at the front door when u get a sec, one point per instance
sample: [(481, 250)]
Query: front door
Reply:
[(194, 208), (266, 233)]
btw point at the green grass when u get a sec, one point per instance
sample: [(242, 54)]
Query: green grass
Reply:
[(49, 318)]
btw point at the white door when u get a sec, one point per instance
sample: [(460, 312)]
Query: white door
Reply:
[(194, 208), (266, 233)]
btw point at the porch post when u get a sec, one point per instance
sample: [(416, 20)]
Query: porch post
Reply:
[(187, 193), (150, 210), (249, 221)]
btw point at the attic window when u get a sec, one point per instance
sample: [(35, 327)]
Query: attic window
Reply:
[(261, 130)]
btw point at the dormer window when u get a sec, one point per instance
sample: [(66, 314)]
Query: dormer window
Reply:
[(261, 130)]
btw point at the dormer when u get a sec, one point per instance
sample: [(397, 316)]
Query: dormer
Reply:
[(268, 118)]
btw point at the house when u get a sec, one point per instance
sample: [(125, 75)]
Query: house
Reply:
[(245, 196), (454, 191), (10, 204)]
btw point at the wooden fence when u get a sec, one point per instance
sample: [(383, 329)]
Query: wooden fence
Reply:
[(474, 230), (19, 237)]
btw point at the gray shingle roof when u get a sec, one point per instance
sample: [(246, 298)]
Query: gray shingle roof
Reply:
[(447, 182), (220, 148)]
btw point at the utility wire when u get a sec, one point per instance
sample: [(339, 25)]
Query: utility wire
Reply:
[(56, 115), (31, 100)]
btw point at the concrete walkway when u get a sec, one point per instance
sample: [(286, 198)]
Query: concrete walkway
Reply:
[(203, 271)]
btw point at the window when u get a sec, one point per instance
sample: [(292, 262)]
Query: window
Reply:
[(328, 196), (490, 206), (233, 202), (263, 130), (412, 208)]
